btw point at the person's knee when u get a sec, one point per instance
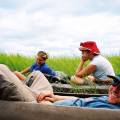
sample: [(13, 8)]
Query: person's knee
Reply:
[(3, 67), (91, 78), (36, 73), (77, 80)]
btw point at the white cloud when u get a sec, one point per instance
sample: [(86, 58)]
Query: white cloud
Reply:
[(57, 26), (11, 47)]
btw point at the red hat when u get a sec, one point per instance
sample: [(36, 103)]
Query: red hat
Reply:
[(89, 45)]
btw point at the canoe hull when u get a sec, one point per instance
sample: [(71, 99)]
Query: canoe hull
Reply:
[(32, 111)]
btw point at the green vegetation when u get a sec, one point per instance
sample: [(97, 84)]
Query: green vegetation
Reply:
[(66, 64)]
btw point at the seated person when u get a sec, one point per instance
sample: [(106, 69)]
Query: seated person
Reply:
[(41, 65), (44, 93), (98, 68)]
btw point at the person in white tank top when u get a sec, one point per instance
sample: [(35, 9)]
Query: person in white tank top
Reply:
[(98, 68)]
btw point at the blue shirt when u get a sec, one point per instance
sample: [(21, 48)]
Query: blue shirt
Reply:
[(44, 68), (92, 102)]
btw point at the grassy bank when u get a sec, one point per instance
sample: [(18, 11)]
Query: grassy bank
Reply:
[(66, 64)]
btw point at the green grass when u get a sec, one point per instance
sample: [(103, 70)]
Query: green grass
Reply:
[(115, 60), (16, 62), (66, 64)]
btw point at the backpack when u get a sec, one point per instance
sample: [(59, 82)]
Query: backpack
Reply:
[(60, 77)]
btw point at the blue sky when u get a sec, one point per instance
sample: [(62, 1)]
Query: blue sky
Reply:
[(58, 26)]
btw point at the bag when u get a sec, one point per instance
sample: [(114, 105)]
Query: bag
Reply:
[(60, 77)]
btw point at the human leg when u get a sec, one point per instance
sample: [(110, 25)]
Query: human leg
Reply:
[(20, 87), (39, 83), (77, 80)]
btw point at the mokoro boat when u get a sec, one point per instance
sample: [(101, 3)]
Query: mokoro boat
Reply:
[(10, 110)]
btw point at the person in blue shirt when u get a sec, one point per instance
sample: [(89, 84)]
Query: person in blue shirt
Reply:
[(39, 65), (44, 68), (110, 101)]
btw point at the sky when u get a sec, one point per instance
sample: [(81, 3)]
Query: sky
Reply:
[(58, 26)]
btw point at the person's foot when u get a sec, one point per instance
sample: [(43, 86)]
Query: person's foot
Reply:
[(77, 80)]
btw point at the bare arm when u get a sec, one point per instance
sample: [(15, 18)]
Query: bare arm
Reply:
[(82, 72), (58, 97), (86, 71), (26, 70), (51, 97), (80, 66), (20, 74)]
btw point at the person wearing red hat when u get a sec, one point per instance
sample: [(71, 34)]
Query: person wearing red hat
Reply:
[(98, 68)]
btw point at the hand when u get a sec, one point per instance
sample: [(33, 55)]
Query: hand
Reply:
[(46, 96), (19, 75), (84, 59)]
